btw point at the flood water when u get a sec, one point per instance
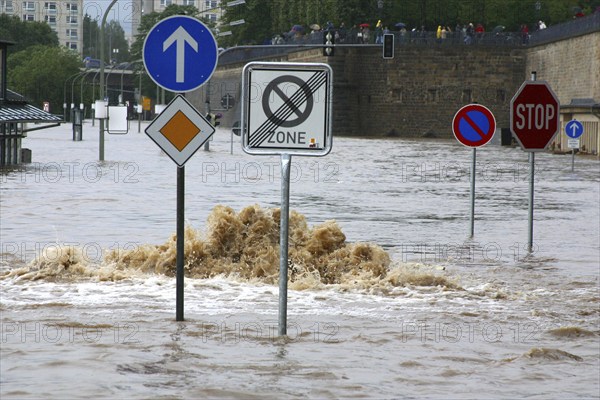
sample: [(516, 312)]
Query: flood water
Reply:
[(393, 300)]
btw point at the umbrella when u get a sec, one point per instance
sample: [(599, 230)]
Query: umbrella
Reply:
[(498, 29), (365, 25), (297, 28), (400, 25), (315, 27)]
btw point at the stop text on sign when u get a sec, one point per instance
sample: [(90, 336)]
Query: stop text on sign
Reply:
[(534, 116)]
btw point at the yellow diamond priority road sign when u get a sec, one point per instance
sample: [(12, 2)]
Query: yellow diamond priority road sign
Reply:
[(180, 130)]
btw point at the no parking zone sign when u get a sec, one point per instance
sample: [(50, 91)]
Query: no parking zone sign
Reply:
[(286, 108), (474, 125)]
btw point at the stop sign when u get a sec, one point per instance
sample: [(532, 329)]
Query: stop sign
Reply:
[(534, 115)]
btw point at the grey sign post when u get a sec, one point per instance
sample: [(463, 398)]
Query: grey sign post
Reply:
[(166, 60), (286, 110), (573, 129), (473, 126)]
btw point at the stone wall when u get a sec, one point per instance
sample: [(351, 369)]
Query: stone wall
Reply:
[(572, 67), (418, 92)]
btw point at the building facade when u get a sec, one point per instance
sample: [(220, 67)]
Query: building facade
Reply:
[(210, 9), (64, 17)]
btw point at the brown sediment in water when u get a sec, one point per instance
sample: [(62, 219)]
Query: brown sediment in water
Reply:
[(245, 245), (551, 354), (570, 332)]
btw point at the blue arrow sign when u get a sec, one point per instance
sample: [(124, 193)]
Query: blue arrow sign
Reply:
[(574, 129), (180, 53)]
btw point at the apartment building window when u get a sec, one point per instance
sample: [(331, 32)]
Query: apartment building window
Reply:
[(28, 17), (72, 19), (72, 7), (211, 3), (164, 3), (212, 17), (189, 2), (28, 6), (50, 19), (50, 7), (72, 45), (6, 6), (72, 33)]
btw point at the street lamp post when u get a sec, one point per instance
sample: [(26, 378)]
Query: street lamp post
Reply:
[(73, 85), (122, 73), (94, 97), (81, 87), (65, 95), (102, 27)]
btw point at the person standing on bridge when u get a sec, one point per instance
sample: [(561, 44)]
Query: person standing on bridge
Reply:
[(524, 34), (470, 31), (479, 31)]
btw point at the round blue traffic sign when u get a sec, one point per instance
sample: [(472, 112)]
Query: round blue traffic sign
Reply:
[(180, 53), (574, 129), (474, 125)]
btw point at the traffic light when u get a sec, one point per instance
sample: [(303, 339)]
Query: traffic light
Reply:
[(329, 42), (214, 118), (388, 45)]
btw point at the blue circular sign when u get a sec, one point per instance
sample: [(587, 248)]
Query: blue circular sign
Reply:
[(180, 53), (574, 129), (474, 125)]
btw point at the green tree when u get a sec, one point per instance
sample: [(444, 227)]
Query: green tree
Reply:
[(39, 73), (258, 26), (116, 48), (267, 18), (91, 37), (26, 33)]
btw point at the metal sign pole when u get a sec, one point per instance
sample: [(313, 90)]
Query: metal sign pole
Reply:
[(180, 241), (101, 144), (531, 186), (473, 166), (531, 180), (572, 160), (286, 160)]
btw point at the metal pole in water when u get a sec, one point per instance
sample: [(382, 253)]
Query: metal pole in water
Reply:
[(101, 89), (531, 186), (572, 160), (180, 242), (531, 179), (473, 166), (101, 144), (207, 104), (286, 160), (142, 107)]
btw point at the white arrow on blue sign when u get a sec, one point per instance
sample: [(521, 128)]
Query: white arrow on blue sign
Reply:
[(574, 129), (180, 53)]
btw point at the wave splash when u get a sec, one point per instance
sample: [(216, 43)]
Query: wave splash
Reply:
[(245, 246)]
